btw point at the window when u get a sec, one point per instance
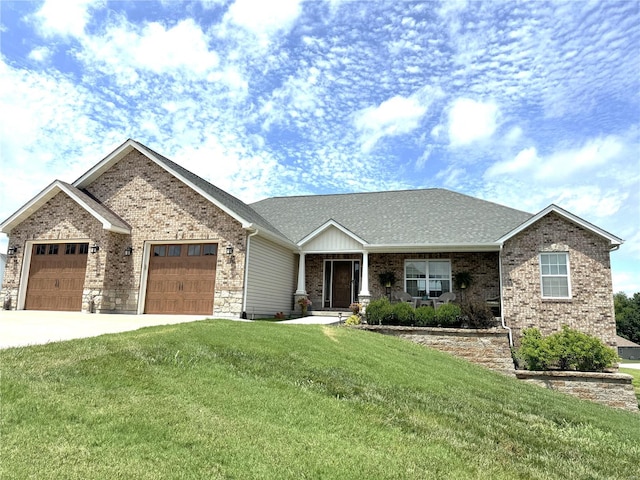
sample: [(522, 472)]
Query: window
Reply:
[(70, 249), (427, 278), (53, 249), (41, 249), (194, 251), (84, 249), (210, 249), (554, 274), (174, 250), (159, 251)]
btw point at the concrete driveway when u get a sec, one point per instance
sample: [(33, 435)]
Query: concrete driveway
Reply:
[(32, 327)]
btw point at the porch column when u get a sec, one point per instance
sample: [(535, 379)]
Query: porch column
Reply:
[(364, 284), (301, 276)]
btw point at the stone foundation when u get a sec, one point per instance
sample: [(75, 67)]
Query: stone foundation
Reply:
[(488, 348), (612, 389)]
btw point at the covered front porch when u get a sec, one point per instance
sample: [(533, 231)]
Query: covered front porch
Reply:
[(332, 281)]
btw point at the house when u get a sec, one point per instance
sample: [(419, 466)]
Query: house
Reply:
[(627, 349), (138, 233)]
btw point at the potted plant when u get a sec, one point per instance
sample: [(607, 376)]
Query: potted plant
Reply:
[(387, 279), (462, 280)]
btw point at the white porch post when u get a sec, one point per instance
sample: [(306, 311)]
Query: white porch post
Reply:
[(364, 284), (301, 276)]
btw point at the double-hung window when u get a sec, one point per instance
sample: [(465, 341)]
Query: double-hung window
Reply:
[(427, 278), (554, 275)]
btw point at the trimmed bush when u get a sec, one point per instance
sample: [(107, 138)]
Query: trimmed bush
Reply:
[(425, 316), (379, 311), (565, 350), (404, 313), (448, 315), (477, 314)]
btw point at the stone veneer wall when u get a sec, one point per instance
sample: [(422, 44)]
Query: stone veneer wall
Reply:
[(590, 308), (488, 348), (612, 389), (159, 208), (482, 266)]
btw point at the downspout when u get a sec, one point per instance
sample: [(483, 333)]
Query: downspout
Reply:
[(246, 273), (504, 325)]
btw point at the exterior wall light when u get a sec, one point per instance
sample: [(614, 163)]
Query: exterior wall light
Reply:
[(12, 250), (94, 248), (229, 250), (128, 251)]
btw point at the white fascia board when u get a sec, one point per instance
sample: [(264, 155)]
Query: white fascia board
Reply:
[(251, 228), (615, 241), (47, 194), (325, 226), (434, 248), (115, 156)]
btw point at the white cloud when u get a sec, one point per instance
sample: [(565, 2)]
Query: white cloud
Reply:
[(153, 48), (395, 116), (470, 121), (64, 17), (264, 18), (40, 54), (562, 164)]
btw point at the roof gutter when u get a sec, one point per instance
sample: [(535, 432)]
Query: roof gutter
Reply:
[(504, 325)]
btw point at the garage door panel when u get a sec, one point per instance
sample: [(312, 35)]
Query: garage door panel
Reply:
[(183, 284), (56, 278)]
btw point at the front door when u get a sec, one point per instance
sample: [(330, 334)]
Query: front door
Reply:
[(342, 283)]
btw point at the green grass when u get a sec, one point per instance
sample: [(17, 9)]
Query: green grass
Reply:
[(636, 379), (233, 400)]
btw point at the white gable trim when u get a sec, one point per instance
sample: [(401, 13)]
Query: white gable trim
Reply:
[(120, 152), (615, 241), (47, 194), (323, 228)]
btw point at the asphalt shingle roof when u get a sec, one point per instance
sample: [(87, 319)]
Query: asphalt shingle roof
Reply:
[(431, 216)]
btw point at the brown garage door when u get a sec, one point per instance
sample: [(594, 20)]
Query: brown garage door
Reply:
[(56, 276), (181, 279)]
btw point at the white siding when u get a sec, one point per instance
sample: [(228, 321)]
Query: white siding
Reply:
[(332, 240), (271, 277)]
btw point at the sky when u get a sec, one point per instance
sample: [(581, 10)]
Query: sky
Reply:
[(525, 104)]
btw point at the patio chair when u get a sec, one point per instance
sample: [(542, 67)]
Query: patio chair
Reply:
[(406, 297), (444, 298)]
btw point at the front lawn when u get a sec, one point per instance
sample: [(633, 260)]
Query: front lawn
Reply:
[(220, 399)]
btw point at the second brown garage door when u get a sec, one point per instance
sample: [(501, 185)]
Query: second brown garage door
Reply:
[(181, 279)]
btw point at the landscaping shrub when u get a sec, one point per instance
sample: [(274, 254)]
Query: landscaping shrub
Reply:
[(477, 314), (379, 311), (353, 320), (404, 313), (425, 316), (565, 350), (448, 315)]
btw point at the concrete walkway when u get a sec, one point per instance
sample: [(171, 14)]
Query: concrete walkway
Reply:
[(32, 327)]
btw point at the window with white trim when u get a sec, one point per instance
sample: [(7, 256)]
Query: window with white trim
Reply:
[(554, 275), (427, 278)]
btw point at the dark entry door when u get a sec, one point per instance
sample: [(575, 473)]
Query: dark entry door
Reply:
[(342, 283)]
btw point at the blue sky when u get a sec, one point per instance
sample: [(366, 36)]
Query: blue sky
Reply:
[(525, 104)]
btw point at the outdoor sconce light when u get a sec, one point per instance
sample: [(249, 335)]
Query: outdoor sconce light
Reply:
[(128, 251), (94, 248), (12, 250), (229, 250)]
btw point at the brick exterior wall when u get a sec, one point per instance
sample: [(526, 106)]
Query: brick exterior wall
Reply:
[(159, 208), (590, 308)]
